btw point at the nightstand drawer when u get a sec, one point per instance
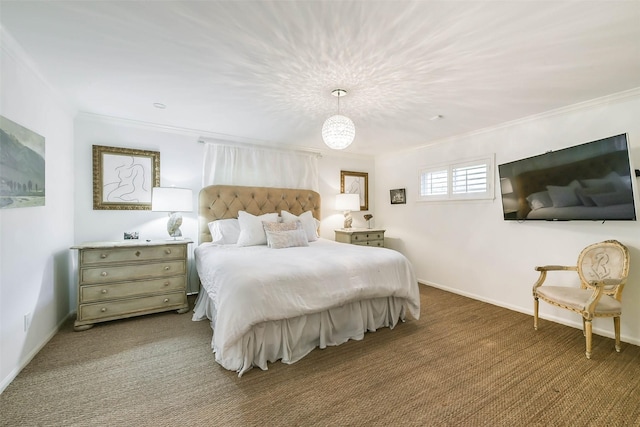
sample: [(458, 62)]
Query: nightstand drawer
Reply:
[(361, 236), (378, 243), (109, 274), (136, 253), (131, 307), (365, 237), (93, 293)]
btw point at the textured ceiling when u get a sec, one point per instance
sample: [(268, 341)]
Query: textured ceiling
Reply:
[(258, 71)]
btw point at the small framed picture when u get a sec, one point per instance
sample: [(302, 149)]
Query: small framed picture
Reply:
[(398, 196)]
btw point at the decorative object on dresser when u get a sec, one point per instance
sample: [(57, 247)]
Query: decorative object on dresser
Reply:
[(398, 196), (361, 236), (358, 183), (338, 131), (117, 280), (123, 177), (368, 218), (347, 203), (173, 200)]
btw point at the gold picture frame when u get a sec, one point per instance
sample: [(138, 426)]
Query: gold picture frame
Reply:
[(358, 183), (123, 178)]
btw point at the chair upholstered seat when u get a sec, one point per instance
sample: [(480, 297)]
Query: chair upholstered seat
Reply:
[(603, 269), (576, 299)]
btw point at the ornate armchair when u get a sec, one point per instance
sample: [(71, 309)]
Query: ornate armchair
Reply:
[(603, 269)]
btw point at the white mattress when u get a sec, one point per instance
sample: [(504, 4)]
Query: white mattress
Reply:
[(268, 304)]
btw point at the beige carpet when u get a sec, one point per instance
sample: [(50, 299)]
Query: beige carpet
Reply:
[(464, 363)]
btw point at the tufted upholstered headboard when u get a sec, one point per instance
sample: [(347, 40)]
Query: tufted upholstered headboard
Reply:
[(224, 201)]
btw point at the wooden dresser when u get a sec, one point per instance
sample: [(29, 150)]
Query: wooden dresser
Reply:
[(130, 278), (361, 236)]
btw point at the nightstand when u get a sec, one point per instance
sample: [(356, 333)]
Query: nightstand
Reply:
[(361, 236), (117, 280)]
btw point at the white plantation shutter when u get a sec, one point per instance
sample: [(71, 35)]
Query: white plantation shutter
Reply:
[(433, 183), (468, 180)]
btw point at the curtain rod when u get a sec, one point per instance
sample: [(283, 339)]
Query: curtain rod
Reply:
[(205, 140)]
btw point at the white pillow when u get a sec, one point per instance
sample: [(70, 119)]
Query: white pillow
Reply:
[(309, 223), (251, 229), (225, 231), (285, 234)]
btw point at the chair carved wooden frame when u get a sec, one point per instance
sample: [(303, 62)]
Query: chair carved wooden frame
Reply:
[(603, 269)]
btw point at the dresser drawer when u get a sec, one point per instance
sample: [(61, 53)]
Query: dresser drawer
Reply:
[(136, 253), (93, 293), (107, 274), (365, 237), (131, 307)]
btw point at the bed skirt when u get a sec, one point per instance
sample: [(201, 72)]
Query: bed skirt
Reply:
[(289, 340)]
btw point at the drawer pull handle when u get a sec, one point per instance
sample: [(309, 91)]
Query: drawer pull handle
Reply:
[(103, 274), (166, 283), (103, 256), (166, 300), (167, 251), (103, 309), (104, 291), (166, 268)]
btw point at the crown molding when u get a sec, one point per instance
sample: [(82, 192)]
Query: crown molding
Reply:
[(592, 103)]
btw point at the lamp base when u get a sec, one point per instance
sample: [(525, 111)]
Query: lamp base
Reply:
[(348, 220), (173, 226)]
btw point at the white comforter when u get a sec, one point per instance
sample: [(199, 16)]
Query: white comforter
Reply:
[(254, 284)]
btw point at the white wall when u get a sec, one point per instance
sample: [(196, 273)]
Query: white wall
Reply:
[(467, 248), (34, 242), (180, 165)]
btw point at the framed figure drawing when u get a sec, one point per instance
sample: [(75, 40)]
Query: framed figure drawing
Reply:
[(398, 196), (123, 178), (358, 183)]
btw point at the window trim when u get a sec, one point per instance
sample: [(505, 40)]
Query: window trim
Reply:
[(489, 194)]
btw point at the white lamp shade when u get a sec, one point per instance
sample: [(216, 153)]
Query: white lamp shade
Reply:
[(338, 132), (348, 202), (505, 185), (171, 199)]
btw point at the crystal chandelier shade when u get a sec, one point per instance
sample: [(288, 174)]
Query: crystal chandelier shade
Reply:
[(338, 131)]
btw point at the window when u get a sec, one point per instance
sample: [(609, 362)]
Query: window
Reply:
[(467, 180)]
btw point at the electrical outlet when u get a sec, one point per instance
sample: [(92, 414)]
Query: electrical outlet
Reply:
[(27, 321)]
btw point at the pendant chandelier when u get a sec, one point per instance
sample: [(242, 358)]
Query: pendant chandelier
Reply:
[(338, 131)]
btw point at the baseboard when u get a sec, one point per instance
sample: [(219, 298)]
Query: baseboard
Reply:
[(14, 373), (574, 324)]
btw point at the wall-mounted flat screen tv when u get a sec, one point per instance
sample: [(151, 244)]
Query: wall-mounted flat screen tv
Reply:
[(590, 181)]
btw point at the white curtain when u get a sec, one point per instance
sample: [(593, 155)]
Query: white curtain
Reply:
[(226, 164)]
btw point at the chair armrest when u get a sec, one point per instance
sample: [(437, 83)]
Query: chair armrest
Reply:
[(543, 273), (556, 268)]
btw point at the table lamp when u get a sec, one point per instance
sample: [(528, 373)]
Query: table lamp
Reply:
[(348, 202), (173, 200)]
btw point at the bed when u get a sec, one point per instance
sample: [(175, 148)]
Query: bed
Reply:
[(278, 301)]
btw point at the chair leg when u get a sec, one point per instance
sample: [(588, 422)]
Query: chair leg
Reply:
[(616, 328), (535, 313), (587, 331), (584, 332)]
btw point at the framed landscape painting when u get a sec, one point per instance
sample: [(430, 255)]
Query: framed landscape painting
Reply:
[(22, 166), (123, 177)]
